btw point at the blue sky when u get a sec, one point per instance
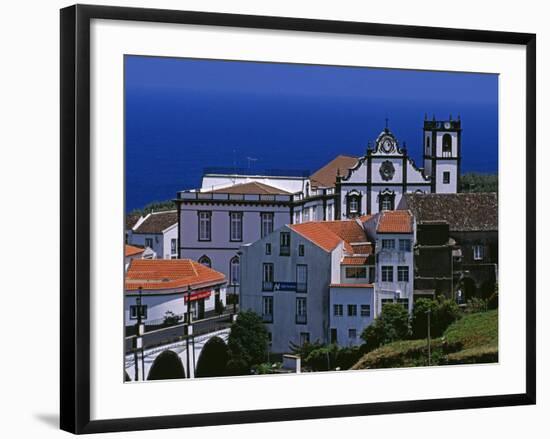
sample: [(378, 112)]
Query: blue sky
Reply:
[(183, 115)]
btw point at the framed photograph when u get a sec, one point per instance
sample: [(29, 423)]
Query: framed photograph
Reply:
[(268, 218)]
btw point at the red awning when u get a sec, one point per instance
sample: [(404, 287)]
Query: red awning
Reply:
[(197, 295)]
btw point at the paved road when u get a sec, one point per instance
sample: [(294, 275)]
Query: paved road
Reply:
[(175, 333)]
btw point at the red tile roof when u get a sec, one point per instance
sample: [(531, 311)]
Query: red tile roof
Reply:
[(355, 260), (351, 285), (362, 249), (328, 234), (130, 250), (160, 274), (395, 221), (326, 176), (251, 188)]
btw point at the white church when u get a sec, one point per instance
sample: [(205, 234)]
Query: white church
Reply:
[(233, 208)]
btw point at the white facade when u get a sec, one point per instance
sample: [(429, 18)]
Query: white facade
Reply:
[(294, 311), (212, 182), (159, 303), (351, 311), (162, 241)]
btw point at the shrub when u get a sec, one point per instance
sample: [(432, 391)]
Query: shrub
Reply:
[(443, 313), (391, 325), (170, 318), (476, 304)]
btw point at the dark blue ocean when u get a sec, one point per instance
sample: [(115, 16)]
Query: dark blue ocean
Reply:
[(184, 115)]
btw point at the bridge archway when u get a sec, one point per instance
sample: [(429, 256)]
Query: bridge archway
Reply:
[(213, 359), (167, 366)]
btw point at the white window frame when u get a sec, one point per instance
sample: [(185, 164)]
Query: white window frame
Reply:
[(235, 270), (205, 226), (479, 252), (385, 272), (405, 245), (236, 226), (402, 272), (388, 244), (365, 310), (267, 223), (338, 310)]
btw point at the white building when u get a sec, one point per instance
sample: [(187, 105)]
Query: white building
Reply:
[(235, 208), (165, 287), (319, 281), (158, 231)]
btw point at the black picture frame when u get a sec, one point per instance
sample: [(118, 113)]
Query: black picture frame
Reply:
[(75, 217)]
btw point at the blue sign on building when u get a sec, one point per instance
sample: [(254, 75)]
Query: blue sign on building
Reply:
[(284, 286)]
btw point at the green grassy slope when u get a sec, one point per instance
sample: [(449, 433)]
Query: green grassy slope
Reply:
[(472, 339)]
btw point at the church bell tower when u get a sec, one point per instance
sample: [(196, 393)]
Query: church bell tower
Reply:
[(442, 146)]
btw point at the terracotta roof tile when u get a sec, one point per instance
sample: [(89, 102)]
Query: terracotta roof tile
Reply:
[(130, 250), (395, 221), (160, 274), (326, 176), (251, 188), (328, 234), (156, 222), (355, 260), (362, 249)]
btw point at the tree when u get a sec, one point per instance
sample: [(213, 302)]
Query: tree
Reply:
[(247, 343), (477, 182), (443, 312), (213, 359), (392, 324)]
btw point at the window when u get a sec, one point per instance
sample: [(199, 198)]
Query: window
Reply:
[(174, 246), (267, 309), (447, 142), (478, 252), (338, 310), (405, 245), (404, 302), (352, 333), (387, 273), (329, 212), (285, 244), (365, 310), (304, 338), (301, 250), (149, 242), (236, 226), (385, 302), (313, 214), (427, 144), (356, 272), (267, 224), (352, 310), (234, 271), (205, 226), (388, 244), (372, 274), (403, 274), (205, 260), (301, 312), (446, 177), (301, 278), (134, 312), (267, 277), (268, 248), (297, 217), (305, 215), (386, 200)]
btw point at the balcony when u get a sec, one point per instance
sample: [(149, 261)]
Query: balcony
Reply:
[(301, 319)]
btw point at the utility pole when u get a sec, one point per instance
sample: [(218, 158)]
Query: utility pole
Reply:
[(429, 312), (188, 329)]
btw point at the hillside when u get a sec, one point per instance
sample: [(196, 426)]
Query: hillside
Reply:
[(472, 339)]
